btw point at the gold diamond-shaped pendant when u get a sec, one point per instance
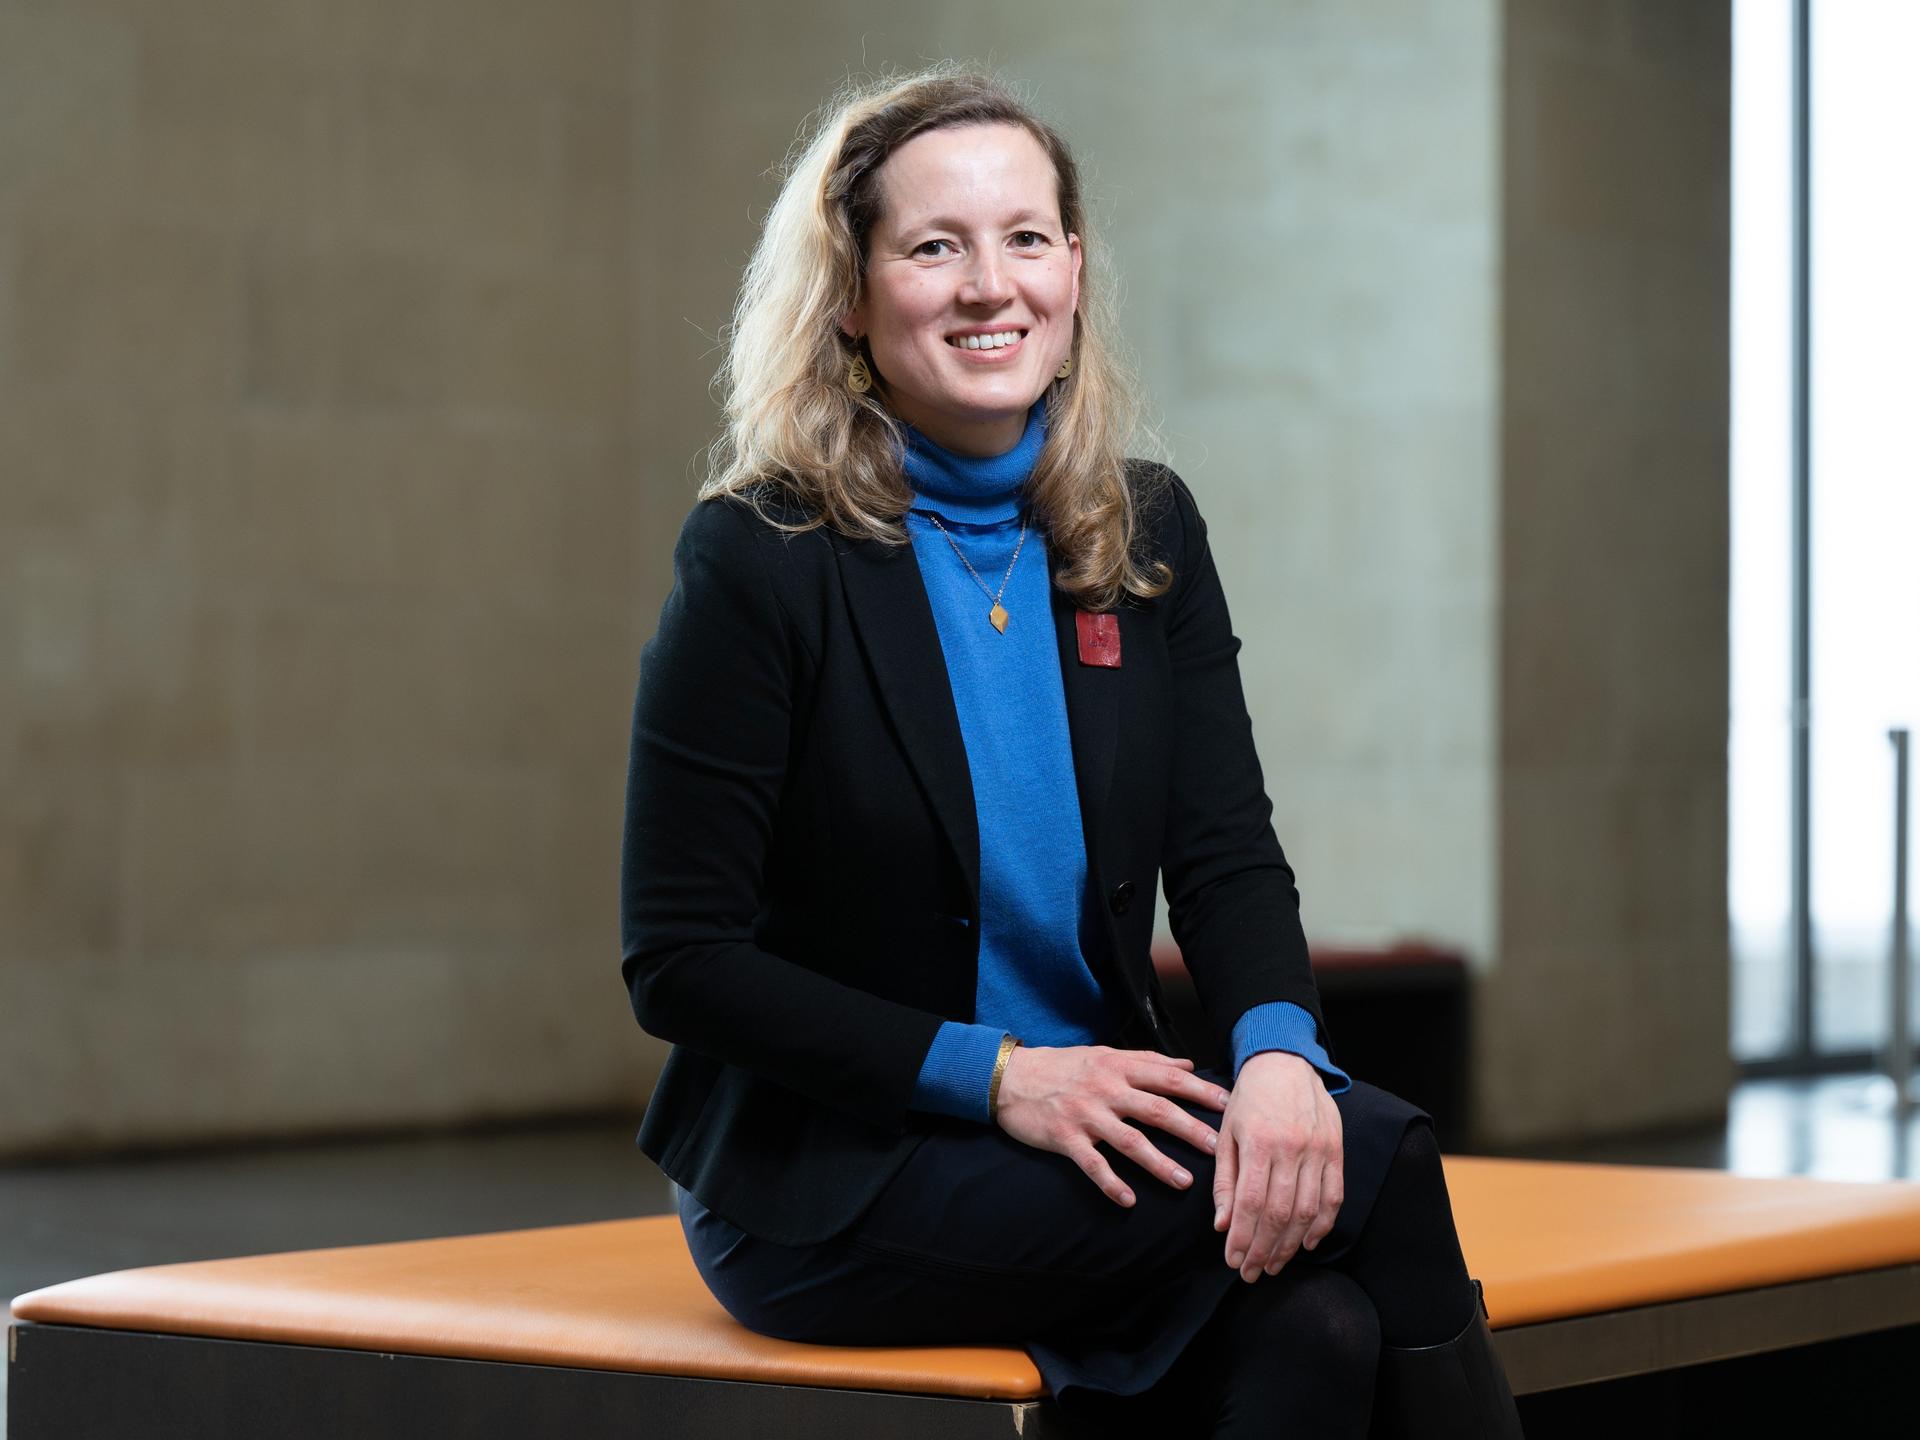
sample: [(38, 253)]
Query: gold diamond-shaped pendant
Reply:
[(999, 617)]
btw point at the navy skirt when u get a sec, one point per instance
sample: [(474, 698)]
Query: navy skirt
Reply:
[(981, 1240)]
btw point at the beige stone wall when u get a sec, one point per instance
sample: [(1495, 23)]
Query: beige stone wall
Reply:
[(1609, 1008), (318, 548), (354, 366)]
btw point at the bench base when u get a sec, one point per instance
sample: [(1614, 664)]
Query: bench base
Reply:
[(1855, 1386), (1679, 1334), (72, 1380)]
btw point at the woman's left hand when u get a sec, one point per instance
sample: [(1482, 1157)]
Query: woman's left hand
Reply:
[(1277, 1176)]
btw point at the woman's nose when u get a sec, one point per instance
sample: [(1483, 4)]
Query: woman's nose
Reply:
[(986, 282)]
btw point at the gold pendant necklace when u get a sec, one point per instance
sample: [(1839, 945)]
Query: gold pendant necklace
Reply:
[(997, 616)]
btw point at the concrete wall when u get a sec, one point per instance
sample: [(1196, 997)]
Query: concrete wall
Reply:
[(317, 563), (354, 364), (1610, 1008)]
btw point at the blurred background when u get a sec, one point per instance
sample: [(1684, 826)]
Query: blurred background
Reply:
[(354, 368)]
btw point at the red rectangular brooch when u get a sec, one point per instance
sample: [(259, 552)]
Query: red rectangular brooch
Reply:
[(1099, 639)]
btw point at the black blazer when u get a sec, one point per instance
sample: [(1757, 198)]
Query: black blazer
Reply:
[(800, 870)]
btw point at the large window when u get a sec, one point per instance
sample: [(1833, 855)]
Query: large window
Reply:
[(1853, 358)]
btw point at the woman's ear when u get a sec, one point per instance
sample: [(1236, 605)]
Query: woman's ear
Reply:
[(1073, 244)]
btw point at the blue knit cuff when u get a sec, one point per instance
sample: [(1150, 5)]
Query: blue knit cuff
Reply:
[(958, 1069), (1281, 1025)]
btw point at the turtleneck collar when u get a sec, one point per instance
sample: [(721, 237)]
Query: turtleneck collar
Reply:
[(974, 489)]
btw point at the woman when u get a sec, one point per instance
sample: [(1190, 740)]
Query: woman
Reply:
[(943, 685)]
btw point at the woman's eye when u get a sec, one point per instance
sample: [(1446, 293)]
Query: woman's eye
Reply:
[(1029, 239), (926, 247)]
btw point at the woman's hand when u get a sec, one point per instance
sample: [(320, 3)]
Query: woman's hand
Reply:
[(1278, 1175), (1069, 1099)]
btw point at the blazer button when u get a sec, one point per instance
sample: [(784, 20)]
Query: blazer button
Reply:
[(1121, 898)]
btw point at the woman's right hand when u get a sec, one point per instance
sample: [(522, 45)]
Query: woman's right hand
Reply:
[(1072, 1098)]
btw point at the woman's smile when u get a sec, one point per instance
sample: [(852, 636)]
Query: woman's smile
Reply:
[(988, 346)]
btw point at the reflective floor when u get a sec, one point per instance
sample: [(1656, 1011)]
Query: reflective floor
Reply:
[(62, 1221), (1840, 1127)]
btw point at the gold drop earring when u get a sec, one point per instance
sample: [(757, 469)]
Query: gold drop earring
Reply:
[(859, 377)]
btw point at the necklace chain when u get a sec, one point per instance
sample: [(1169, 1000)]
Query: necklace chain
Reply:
[(998, 615)]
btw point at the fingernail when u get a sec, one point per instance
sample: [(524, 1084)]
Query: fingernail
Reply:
[(1237, 1259), (1183, 1177), (1219, 1214), (1213, 1141), (1126, 1197)]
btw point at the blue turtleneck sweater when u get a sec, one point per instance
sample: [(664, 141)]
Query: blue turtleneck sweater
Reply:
[(1034, 981)]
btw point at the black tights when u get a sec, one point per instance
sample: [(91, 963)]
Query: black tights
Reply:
[(1408, 1258), (1294, 1353)]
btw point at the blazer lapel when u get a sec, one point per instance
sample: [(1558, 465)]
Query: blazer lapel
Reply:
[(894, 619), (1093, 722)]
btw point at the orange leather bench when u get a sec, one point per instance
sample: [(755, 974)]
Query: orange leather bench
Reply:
[(1591, 1272)]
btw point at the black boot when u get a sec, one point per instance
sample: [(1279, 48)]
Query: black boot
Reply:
[(1455, 1391)]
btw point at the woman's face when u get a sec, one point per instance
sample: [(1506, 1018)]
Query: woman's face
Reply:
[(968, 245)]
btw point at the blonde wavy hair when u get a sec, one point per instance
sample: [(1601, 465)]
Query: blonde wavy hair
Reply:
[(793, 426)]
